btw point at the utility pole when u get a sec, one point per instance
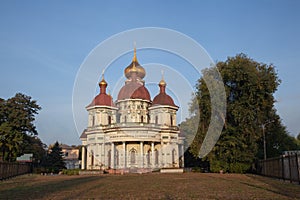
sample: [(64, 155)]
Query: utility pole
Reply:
[(264, 137), (265, 144)]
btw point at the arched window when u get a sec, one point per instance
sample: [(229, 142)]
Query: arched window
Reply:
[(92, 160), (142, 119), (148, 157), (132, 156), (173, 156), (125, 119), (156, 156), (156, 119), (117, 158), (118, 117), (171, 120), (93, 120), (109, 158)]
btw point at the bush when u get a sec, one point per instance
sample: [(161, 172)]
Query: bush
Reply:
[(70, 172)]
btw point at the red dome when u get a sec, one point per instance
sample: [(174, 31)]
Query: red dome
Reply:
[(134, 90), (163, 99), (102, 99)]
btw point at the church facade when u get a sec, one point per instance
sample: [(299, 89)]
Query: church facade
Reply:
[(133, 132)]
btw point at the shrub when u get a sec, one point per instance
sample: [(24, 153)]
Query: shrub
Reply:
[(70, 172)]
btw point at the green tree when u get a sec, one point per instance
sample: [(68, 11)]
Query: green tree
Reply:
[(33, 144), (249, 87), (55, 159), (17, 115), (298, 140)]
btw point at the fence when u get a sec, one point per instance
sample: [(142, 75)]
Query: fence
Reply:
[(286, 167), (8, 170)]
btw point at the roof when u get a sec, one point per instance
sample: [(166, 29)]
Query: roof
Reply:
[(163, 99), (65, 146), (134, 90), (102, 99), (83, 135)]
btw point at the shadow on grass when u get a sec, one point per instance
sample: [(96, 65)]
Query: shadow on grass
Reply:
[(276, 186), (42, 190)]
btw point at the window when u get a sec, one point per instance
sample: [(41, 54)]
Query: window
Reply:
[(171, 120), (109, 119), (148, 157), (117, 158), (92, 160), (132, 156), (142, 119), (118, 117), (93, 120), (156, 119), (109, 158), (156, 157), (173, 156)]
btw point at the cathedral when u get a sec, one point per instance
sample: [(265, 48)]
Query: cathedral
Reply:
[(133, 132)]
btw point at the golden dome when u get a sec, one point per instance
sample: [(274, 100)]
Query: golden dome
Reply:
[(102, 82), (135, 67)]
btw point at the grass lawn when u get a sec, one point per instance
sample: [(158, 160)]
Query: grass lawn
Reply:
[(148, 186)]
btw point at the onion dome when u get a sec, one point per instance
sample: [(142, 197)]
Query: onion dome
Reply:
[(102, 99), (162, 98), (134, 68), (134, 90)]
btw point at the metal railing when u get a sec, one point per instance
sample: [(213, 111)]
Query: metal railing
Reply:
[(8, 170), (286, 167)]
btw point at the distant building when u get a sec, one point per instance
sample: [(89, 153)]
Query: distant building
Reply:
[(291, 152), (28, 157), (134, 131), (70, 156)]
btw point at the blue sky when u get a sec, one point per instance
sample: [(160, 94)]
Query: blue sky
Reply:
[(43, 44)]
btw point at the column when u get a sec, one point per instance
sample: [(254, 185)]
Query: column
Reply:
[(83, 158), (167, 151), (152, 155), (101, 152), (104, 155), (141, 155), (162, 154), (177, 154), (112, 155), (124, 154)]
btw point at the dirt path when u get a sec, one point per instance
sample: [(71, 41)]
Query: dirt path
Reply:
[(148, 186)]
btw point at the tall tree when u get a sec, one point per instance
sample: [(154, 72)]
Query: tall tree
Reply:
[(55, 159), (17, 115), (249, 87)]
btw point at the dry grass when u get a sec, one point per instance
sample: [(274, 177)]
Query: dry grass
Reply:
[(148, 186)]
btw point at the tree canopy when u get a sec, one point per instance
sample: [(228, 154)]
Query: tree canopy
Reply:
[(249, 87), (17, 115)]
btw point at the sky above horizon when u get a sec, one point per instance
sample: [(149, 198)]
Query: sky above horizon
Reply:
[(44, 43)]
